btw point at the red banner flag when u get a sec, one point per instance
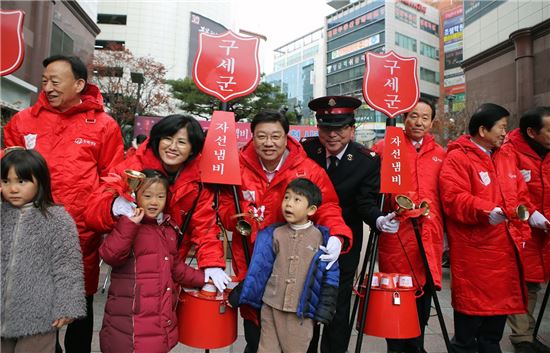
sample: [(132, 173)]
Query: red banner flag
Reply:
[(12, 46), (220, 155), (395, 174), (226, 65), (390, 84)]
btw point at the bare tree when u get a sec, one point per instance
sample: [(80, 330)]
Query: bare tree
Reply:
[(130, 85)]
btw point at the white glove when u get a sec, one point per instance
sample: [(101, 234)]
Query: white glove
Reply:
[(332, 251), (218, 276), (537, 220), (123, 207), (496, 216), (387, 223)]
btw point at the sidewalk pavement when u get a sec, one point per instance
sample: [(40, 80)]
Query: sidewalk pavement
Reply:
[(434, 342)]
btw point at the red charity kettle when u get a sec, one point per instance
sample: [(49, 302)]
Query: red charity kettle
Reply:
[(205, 320)]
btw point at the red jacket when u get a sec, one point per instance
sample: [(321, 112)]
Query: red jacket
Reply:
[(485, 259), (536, 172), (202, 231), (425, 167), (257, 191), (140, 313), (80, 146)]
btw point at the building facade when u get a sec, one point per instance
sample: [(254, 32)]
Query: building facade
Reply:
[(168, 31), (408, 27), (506, 54), (299, 72), (49, 28)]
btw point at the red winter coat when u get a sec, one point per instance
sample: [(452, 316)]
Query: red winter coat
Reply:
[(485, 259), (257, 191), (140, 313), (80, 146), (536, 172), (425, 167), (202, 231)]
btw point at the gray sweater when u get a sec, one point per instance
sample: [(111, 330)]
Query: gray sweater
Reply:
[(42, 271)]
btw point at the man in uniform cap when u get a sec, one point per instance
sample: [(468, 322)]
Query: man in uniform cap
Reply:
[(355, 173)]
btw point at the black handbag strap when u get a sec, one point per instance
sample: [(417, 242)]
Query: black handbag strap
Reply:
[(181, 232)]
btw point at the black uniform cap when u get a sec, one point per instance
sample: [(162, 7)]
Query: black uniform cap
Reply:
[(334, 111)]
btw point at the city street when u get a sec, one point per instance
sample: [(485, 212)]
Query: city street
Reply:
[(434, 339)]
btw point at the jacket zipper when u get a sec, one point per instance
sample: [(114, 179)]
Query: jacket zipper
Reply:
[(7, 298)]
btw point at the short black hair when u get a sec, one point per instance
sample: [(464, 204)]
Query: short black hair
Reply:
[(269, 116), (140, 138), (487, 116), (154, 176), (28, 164), (171, 124), (533, 119), (427, 102), (77, 66), (308, 189)]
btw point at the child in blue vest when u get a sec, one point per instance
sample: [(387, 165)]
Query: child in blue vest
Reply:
[(286, 278)]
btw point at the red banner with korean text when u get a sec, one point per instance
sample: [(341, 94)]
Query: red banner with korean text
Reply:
[(220, 155), (395, 174), (226, 65), (12, 46), (390, 84)]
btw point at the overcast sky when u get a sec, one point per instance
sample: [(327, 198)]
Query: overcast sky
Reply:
[(281, 21)]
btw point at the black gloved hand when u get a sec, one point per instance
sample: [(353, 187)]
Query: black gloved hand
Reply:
[(235, 295), (327, 304)]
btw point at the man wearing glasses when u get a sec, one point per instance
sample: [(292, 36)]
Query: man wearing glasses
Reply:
[(355, 173)]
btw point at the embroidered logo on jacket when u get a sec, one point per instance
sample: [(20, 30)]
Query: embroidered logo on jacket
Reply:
[(485, 178), (30, 141), (526, 174), (81, 141)]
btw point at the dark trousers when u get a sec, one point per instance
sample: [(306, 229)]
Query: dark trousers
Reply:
[(477, 333), (251, 335), (415, 345), (336, 334), (78, 338)]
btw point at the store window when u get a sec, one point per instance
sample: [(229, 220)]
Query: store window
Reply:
[(405, 42), (429, 75), (62, 44), (429, 51), (110, 19)]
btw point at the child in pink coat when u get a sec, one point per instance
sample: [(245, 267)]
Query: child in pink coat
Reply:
[(140, 312)]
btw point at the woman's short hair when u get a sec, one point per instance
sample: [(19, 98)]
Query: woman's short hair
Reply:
[(170, 125), (487, 116), (28, 164), (269, 116)]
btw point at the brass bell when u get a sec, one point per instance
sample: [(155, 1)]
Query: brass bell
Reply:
[(243, 227), (404, 203), (426, 206), (133, 179), (522, 213)]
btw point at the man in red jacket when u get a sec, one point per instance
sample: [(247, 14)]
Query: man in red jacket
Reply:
[(269, 162), (528, 147), (80, 143), (399, 253), (481, 189)]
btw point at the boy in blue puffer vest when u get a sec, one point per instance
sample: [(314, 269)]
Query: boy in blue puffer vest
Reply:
[(287, 275)]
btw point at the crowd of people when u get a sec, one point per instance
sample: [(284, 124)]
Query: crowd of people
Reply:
[(66, 204)]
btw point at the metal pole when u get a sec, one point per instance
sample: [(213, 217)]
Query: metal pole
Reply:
[(430, 282), (542, 309)]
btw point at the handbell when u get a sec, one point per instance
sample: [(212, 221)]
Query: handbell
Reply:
[(522, 212), (134, 179), (426, 206), (404, 203), (243, 227)]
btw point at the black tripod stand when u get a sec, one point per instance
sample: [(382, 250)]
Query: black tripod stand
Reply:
[(370, 258)]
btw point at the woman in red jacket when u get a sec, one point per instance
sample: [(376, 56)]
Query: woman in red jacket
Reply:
[(480, 191), (140, 313), (174, 148)]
